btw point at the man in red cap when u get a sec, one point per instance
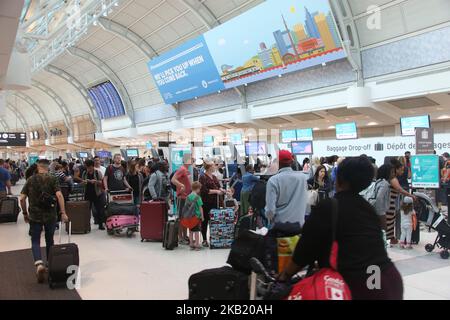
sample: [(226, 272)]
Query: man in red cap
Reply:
[(286, 197)]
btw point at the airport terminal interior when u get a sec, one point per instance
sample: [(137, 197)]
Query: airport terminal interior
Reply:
[(113, 111)]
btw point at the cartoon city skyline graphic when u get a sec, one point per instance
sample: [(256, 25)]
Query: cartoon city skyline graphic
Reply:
[(293, 42)]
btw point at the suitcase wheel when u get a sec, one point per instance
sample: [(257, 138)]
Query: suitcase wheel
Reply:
[(130, 233), (142, 240), (51, 284)]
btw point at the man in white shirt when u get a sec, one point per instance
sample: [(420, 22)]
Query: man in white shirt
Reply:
[(98, 166)]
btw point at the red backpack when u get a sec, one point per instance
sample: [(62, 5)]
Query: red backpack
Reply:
[(327, 283)]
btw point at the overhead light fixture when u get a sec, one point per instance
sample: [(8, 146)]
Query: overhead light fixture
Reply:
[(372, 124), (95, 23), (116, 4), (105, 14), (316, 129), (444, 117), (331, 127)]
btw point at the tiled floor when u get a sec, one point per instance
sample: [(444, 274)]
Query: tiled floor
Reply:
[(123, 268)]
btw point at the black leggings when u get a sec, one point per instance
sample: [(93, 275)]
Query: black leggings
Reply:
[(206, 209)]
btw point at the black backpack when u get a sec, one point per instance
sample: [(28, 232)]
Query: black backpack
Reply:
[(258, 195)]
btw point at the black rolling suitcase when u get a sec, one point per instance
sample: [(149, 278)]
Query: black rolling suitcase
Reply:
[(219, 284), (170, 235), (61, 257), (9, 209)]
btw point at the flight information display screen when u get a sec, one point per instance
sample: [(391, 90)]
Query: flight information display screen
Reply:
[(106, 100)]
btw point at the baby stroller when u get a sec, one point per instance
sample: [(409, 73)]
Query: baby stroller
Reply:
[(431, 215), (121, 213)]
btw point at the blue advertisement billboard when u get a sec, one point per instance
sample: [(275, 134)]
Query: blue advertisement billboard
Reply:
[(271, 39), (186, 72), (425, 171)]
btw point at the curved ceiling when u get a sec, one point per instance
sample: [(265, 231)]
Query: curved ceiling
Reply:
[(140, 29)]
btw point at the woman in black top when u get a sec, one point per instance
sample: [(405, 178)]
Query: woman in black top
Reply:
[(320, 182), (358, 234), (136, 180)]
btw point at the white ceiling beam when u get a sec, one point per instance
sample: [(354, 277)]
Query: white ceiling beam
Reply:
[(202, 12), (81, 89), (36, 108), (59, 102), (129, 36), (19, 116), (5, 125)]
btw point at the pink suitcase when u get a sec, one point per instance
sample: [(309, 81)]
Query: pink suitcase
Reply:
[(119, 223)]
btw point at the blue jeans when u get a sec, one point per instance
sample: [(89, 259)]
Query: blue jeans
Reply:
[(36, 230), (137, 202)]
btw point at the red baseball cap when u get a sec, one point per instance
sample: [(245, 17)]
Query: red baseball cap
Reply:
[(285, 157)]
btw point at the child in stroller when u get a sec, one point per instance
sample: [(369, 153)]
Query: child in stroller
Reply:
[(432, 216)]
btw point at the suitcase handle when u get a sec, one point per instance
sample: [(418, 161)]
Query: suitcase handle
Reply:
[(60, 230)]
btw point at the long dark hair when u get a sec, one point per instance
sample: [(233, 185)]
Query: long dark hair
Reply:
[(385, 172), (316, 175)]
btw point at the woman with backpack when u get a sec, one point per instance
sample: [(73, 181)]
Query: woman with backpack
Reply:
[(382, 194), (159, 184), (354, 224)]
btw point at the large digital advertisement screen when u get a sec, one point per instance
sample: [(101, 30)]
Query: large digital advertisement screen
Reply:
[(409, 124), (302, 147), (272, 39), (346, 131), (255, 148), (106, 100)]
